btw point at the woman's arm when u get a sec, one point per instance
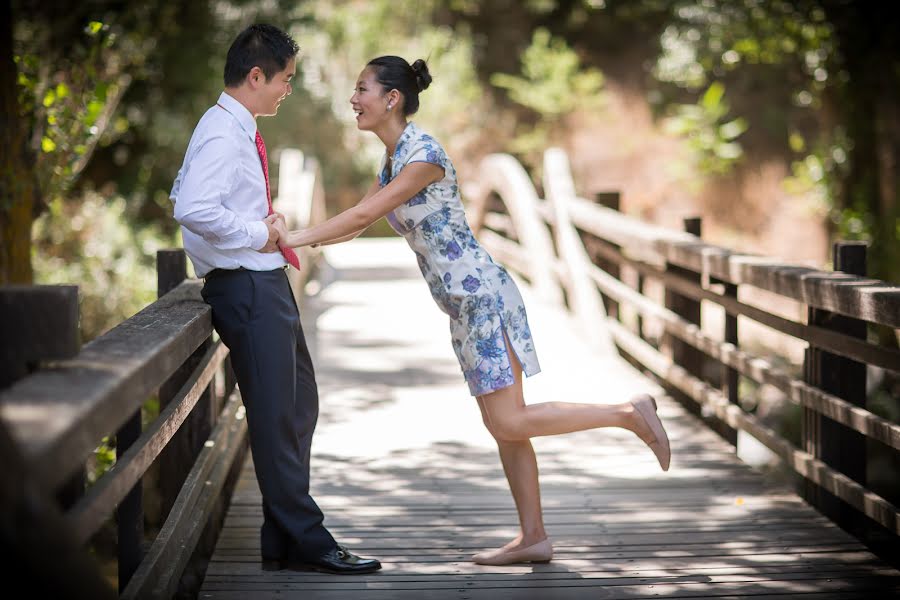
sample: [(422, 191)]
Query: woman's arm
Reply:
[(345, 238), (411, 180), (373, 189)]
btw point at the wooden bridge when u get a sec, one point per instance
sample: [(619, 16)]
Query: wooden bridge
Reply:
[(404, 469)]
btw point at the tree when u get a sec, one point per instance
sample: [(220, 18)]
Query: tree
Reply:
[(65, 67), (18, 185), (866, 96)]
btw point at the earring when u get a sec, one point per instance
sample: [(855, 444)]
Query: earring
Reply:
[(390, 106)]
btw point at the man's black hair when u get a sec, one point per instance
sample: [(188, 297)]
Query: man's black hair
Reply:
[(263, 46)]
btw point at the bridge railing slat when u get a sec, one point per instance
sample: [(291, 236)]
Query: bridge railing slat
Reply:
[(872, 505), (159, 572), (88, 515), (753, 366)]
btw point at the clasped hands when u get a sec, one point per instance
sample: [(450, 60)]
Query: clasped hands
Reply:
[(278, 232)]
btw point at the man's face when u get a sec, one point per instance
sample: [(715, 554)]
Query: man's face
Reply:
[(270, 93)]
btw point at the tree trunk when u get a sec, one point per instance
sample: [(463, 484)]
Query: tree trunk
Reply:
[(18, 183), (866, 101)]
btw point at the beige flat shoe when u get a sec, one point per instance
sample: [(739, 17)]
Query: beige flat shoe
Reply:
[(542, 552), (646, 407)]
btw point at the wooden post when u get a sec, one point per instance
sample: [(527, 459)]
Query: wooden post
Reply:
[(838, 446), (179, 456), (640, 318), (171, 270), (688, 309), (130, 511), (683, 354), (730, 376), (609, 200), (40, 323), (40, 553), (725, 377)]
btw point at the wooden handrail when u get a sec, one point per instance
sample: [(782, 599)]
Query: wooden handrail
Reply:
[(858, 297), (56, 417), (754, 367), (860, 350), (89, 513)]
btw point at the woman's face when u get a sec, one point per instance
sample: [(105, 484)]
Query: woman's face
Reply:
[(370, 102)]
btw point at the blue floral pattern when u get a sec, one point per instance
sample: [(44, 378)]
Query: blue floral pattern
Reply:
[(480, 297)]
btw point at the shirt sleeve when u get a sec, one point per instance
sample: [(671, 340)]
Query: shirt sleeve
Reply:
[(199, 192), (429, 151)]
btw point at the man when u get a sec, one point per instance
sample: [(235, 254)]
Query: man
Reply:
[(223, 203)]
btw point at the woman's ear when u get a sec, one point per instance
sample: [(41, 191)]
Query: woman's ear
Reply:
[(394, 98)]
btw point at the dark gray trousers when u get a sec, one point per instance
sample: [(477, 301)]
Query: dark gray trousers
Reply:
[(255, 315)]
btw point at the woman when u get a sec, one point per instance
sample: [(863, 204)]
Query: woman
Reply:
[(416, 189)]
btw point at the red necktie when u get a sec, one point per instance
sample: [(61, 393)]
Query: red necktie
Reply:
[(289, 254)]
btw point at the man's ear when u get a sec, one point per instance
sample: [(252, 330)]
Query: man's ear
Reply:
[(256, 77)]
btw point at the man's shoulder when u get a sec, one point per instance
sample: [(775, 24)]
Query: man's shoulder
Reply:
[(216, 129)]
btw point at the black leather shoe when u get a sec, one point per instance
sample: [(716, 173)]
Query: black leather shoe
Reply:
[(338, 561), (341, 561)]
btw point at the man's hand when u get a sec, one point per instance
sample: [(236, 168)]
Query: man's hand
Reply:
[(281, 226), (274, 233)]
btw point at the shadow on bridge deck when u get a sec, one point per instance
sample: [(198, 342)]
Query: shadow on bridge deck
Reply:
[(406, 472)]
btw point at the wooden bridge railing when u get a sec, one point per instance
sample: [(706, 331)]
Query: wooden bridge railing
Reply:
[(62, 400), (517, 227)]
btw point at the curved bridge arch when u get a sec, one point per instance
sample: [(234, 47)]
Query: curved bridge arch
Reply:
[(503, 175)]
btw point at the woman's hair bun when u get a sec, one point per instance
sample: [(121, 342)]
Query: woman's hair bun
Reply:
[(423, 77)]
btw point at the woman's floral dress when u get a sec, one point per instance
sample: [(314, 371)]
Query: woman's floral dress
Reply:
[(482, 300)]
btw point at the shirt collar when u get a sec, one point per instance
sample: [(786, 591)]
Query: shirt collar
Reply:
[(403, 145), (239, 112)]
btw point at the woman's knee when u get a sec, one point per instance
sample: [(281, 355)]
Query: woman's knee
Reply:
[(504, 414), (507, 427)]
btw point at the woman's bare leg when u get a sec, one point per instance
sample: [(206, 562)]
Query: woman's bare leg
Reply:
[(513, 423), (520, 466), (510, 419)]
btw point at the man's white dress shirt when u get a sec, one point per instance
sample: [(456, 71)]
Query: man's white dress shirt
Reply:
[(220, 193)]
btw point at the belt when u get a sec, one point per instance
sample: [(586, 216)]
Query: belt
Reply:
[(221, 272)]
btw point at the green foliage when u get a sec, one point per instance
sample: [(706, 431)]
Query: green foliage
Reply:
[(712, 140), (69, 91), (710, 38), (749, 46), (102, 461), (92, 243), (552, 82)]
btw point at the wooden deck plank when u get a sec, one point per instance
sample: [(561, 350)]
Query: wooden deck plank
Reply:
[(405, 472)]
